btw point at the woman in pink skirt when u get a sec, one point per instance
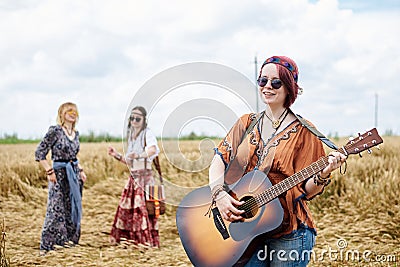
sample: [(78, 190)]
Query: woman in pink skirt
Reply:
[(132, 220)]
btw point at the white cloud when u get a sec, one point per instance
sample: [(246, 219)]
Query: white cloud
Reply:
[(99, 53)]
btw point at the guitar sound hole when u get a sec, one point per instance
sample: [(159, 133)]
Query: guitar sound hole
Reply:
[(250, 207)]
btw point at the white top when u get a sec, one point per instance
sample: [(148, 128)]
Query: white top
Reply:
[(137, 145)]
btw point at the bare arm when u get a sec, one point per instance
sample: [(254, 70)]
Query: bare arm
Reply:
[(335, 160), (216, 172), (149, 151), (52, 176), (225, 203), (114, 153)]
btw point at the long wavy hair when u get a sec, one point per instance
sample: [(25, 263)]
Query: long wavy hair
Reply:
[(61, 113)]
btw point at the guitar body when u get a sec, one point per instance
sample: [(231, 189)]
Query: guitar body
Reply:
[(202, 241)]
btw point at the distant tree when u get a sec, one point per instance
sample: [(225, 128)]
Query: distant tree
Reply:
[(389, 132)]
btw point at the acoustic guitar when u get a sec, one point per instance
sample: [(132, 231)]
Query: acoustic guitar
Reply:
[(263, 214)]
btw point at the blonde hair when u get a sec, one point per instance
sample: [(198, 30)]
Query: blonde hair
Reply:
[(61, 113)]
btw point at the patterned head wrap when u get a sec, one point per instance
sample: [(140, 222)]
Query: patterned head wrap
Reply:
[(284, 61), (289, 66)]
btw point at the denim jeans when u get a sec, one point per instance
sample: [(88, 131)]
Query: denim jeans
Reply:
[(292, 250)]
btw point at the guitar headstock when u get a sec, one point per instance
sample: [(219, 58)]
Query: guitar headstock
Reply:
[(363, 142)]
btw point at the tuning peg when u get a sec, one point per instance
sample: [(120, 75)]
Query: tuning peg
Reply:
[(369, 151), (360, 155)]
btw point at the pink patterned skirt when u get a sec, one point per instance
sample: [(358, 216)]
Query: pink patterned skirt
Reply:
[(132, 221)]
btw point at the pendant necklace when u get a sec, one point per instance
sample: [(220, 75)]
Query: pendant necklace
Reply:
[(68, 133), (277, 123)]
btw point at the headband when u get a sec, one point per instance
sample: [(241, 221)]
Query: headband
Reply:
[(282, 62)]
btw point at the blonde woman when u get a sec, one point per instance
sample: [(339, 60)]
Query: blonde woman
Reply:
[(65, 180)]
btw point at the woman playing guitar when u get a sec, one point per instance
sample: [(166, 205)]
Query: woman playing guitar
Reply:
[(279, 146)]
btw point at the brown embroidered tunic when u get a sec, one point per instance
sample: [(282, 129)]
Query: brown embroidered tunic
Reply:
[(288, 152)]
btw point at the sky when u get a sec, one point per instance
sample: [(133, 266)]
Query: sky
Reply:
[(99, 54)]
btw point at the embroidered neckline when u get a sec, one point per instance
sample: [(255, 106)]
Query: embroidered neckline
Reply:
[(262, 152)]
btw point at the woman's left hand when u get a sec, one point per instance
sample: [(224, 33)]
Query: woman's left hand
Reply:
[(83, 176), (335, 160), (133, 156)]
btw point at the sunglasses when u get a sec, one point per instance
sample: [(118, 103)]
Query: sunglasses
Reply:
[(275, 83), (72, 112), (137, 119)]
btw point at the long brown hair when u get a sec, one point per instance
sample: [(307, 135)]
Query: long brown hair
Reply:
[(144, 125)]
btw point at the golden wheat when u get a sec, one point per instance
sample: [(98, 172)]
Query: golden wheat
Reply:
[(360, 208), (4, 260)]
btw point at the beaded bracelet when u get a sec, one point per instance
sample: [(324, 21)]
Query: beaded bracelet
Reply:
[(318, 180), (118, 157), (214, 193), (218, 189), (50, 171)]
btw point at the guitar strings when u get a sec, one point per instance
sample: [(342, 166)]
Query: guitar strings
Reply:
[(273, 192)]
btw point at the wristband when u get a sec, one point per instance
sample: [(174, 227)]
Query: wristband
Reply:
[(327, 177), (318, 180), (218, 189)]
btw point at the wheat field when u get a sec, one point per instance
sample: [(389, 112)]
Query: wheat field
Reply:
[(358, 212)]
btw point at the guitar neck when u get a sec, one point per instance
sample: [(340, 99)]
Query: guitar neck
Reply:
[(291, 181)]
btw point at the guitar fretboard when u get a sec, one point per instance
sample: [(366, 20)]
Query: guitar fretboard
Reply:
[(291, 181)]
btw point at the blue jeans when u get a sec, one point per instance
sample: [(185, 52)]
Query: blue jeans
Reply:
[(292, 250)]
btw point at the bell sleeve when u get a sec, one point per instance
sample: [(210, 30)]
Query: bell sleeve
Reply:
[(310, 150), (46, 144), (227, 148), (151, 140)]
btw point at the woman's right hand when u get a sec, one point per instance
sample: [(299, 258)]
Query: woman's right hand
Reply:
[(112, 151), (226, 205), (52, 178)]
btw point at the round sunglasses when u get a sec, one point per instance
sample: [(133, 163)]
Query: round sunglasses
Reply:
[(275, 82), (137, 119)]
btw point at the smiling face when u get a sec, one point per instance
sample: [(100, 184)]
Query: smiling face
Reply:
[(67, 113), (270, 96), (70, 115)]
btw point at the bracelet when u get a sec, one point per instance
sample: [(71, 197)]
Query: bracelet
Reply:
[(50, 171), (216, 190), (318, 180), (118, 157), (327, 177)]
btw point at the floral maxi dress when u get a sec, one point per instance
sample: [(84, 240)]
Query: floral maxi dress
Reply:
[(58, 227)]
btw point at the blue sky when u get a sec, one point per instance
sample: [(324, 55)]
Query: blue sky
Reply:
[(368, 5), (100, 53)]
